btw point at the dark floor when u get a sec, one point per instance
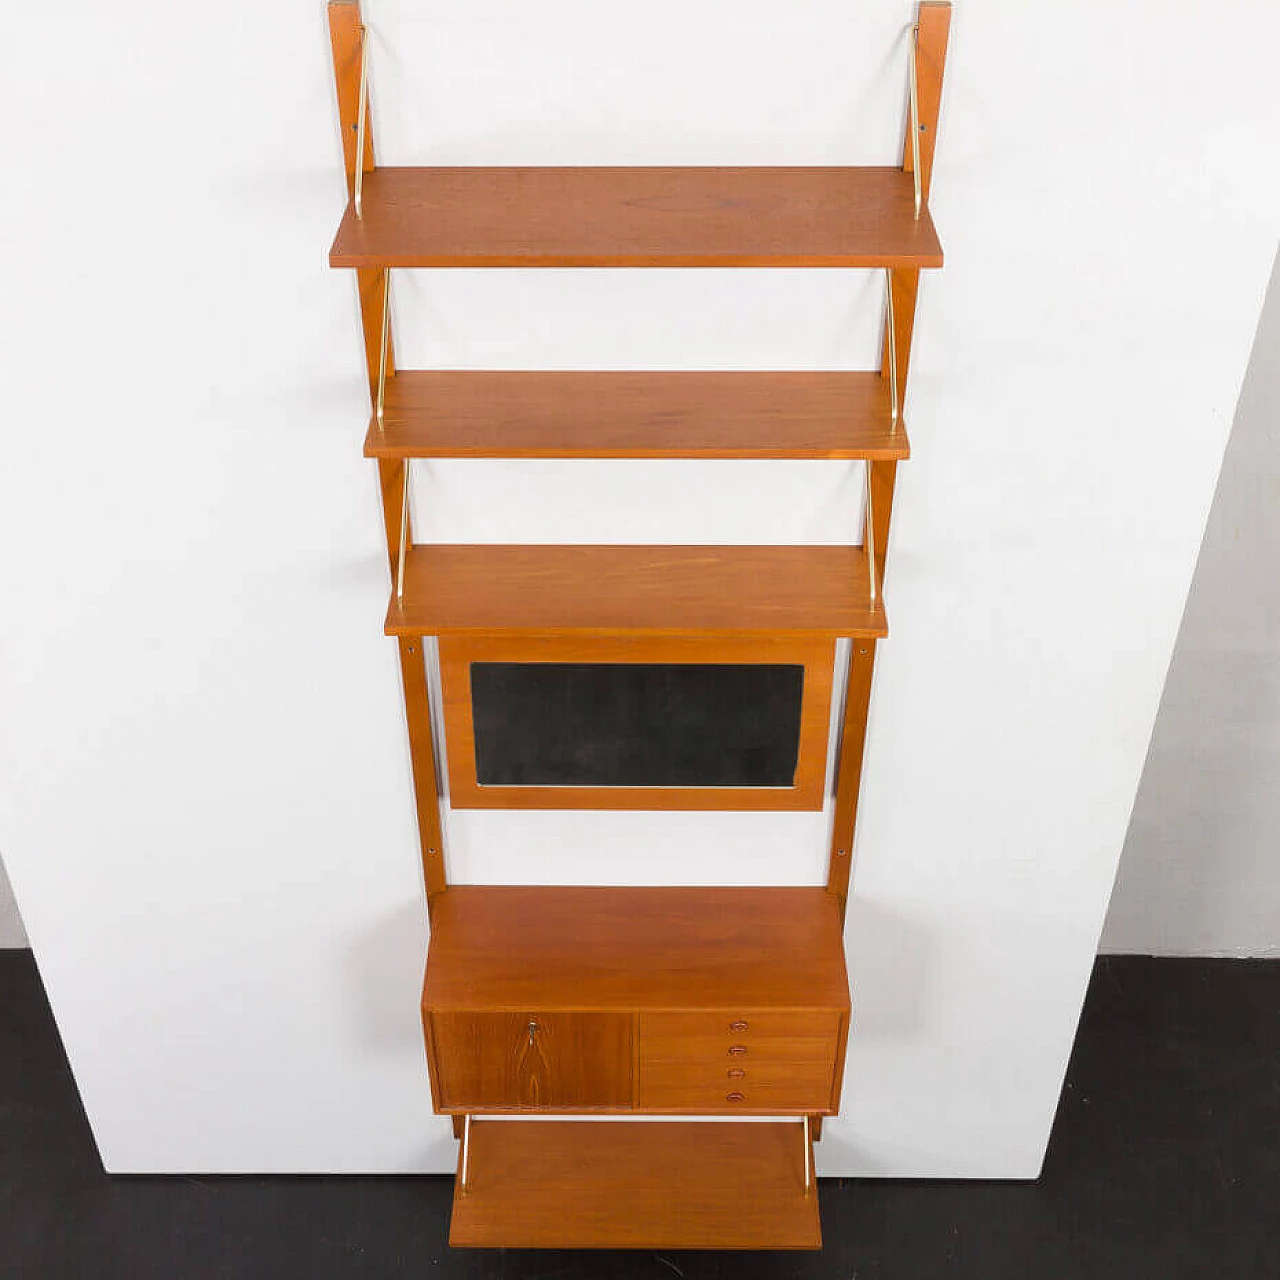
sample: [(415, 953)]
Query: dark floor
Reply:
[(1165, 1163)]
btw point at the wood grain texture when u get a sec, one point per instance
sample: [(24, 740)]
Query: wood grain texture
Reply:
[(934, 22), (509, 948), (511, 414), (345, 38), (637, 217), (422, 759), (615, 1185), (613, 591), (853, 739), (573, 1061), (744, 1060), (817, 656), (740, 1035)]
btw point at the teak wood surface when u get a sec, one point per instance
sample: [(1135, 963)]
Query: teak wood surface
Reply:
[(624, 414), (703, 591), (729, 1061), (536, 1059), (807, 791), (511, 948), (562, 1184), (753, 1061), (637, 217)]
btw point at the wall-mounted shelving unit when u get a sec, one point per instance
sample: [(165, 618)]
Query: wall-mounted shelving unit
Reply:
[(624, 1002)]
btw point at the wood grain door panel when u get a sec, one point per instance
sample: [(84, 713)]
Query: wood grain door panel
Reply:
[(532, 1060)]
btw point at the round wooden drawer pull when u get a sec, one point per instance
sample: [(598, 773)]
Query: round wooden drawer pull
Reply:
[(735, 1096), (739, 1025), (736, 1073), (737, 1050)]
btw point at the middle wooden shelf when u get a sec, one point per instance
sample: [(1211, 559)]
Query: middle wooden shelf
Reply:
[(501, 589), (625, 414)]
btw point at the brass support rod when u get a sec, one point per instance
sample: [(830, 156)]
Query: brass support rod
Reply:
[(382, 350), (915, 120), (807, 1154), (870, 535), (360, 119), (404, 534), (466, 1147), (894, 407)]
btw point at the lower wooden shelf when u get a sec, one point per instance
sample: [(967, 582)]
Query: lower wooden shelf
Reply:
[(566, 1184)]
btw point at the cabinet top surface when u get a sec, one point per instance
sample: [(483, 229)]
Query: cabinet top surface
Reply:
[(637, 217), (585, 947)]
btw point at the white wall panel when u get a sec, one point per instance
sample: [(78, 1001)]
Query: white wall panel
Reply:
[(204, 791)]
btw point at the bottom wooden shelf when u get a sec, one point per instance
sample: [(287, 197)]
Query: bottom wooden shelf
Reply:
[(578, 1184)]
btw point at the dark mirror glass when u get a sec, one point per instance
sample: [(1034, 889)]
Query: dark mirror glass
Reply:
[(567, 724)]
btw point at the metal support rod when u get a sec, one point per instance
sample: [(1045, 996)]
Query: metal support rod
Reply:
[(870, 535), (382, 351), (404, 534), (807, 1155), (915, 121), (360, 119), (894, 407), (466, 1147)]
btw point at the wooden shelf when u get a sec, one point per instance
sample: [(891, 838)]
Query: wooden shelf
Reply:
[(628, 217), (584, 947), (563, 1184), (491, 590), (454, 414)]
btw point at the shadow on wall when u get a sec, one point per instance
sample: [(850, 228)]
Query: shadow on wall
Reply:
[(890, 962), (1199, 874), (892, 965), (12, 934), (382, 987)]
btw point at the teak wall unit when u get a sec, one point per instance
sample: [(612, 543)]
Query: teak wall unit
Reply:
[(629, 1002)]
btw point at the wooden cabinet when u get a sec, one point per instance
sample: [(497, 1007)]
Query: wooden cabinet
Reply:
[(532, 1060), (592, 999)]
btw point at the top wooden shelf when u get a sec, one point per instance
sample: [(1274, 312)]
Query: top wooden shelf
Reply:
[(637, 217)]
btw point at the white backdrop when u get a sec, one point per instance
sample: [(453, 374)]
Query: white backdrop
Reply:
[(1199, 874), (205, 803)]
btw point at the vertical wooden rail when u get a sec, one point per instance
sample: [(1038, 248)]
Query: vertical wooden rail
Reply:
[(933, 25), (346, 34)]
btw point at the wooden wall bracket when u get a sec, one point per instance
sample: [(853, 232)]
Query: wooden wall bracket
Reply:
[(930, 34), (347, 35)]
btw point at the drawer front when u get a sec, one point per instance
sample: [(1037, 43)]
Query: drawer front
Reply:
[(532, 1060), (738, 1061)]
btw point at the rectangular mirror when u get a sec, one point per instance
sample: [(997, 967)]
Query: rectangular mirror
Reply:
[(636, 722)]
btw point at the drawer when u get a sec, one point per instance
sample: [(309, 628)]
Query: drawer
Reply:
[(532, 1060), (738, 1061)]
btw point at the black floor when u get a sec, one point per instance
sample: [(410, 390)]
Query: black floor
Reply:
[(1165, 1163)]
